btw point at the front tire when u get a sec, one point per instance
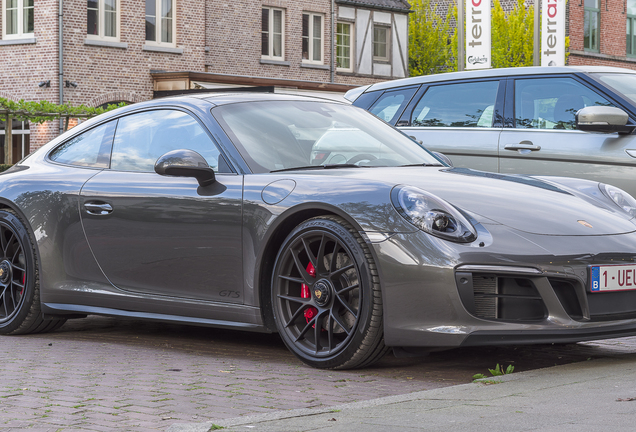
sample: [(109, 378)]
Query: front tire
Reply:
[(326, 296), (20, 311)]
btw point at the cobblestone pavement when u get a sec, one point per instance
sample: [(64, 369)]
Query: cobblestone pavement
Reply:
[(104, 373)]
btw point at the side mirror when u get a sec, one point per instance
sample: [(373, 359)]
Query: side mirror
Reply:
[(185, 163), (603, 119), (443, 158)]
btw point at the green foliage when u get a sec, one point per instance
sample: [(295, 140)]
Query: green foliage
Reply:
[(429, 45), (4, 167), (513, 36), (42, 111), (497, 371)]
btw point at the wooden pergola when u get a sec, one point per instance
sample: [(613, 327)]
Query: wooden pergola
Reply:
[(9, 115)]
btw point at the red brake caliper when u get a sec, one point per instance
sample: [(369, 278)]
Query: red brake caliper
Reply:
[(311, 311)]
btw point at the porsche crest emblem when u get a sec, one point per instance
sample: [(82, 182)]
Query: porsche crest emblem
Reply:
[(585, 224), (317, 293)]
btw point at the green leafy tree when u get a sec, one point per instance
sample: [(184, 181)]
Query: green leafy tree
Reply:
[(429, 44), (512, 36)]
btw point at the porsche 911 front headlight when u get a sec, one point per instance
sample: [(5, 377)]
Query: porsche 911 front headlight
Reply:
[(620, 198), (432, 214)]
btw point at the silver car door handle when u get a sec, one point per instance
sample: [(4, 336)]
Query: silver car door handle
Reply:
[(98, 208), (522, 146)]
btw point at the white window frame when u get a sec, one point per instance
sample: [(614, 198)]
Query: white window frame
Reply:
[(101, 17), (158, 24), (386, 59), (351, 46), (310, 38), (18, 132), (271, 35), (20, 34)]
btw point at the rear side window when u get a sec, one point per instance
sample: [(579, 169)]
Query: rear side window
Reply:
[(391, 104), (551, 103), (457, 105), (142, 138), (89, 149)]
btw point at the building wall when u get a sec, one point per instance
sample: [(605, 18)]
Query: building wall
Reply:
[(240, 53), (211, 36), (612, 37)]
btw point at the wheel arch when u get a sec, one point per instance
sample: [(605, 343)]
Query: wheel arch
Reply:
[(5, 204), (277, 234)]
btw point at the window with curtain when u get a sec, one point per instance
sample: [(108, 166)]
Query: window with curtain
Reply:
[(102, 19), (312, 32), (273, 34), (160, 22), (18, 19)]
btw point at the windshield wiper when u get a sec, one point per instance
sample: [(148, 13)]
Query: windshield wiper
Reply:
[(423, 164), (313, 167)]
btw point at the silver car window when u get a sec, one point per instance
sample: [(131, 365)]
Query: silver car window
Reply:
[(391, 104), (624, 83), (551, 103), (142, 138), (457, 105)]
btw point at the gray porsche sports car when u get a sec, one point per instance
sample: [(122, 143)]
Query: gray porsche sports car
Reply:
[(309, 218)]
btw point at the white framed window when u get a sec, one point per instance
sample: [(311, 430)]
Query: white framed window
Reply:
[(312, 38), (273, 34), (344, 46), (20, 137), (18, 19), (381, 43), (161, 25), (102, 19)]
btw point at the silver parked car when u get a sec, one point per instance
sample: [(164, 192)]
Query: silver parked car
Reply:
[(519, 120)]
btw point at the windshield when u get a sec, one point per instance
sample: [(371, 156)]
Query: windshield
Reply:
[(624, 83), (278, 135)]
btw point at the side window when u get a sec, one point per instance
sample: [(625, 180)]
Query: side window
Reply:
[(390, 105), (551, 103), (142, 138), (89, 149), (457, 105)]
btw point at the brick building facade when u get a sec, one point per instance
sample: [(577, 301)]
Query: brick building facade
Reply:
[(602, 33), (127, 50)]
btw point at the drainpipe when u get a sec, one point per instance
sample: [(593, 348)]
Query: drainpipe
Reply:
[(60, 53), (333, 40)]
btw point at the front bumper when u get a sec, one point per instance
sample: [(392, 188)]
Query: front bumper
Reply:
[(517, 288)]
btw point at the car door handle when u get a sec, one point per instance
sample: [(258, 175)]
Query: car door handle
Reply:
[(98, 208), (523, 145)]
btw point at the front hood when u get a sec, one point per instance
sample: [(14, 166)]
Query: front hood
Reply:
[(524, 203)]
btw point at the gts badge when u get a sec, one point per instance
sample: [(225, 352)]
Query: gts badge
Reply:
[(230, 294)]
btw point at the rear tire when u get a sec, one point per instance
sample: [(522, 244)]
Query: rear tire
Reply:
[(326, 296), (20, 311)]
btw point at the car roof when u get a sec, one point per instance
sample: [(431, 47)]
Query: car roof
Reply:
[(494, 73)]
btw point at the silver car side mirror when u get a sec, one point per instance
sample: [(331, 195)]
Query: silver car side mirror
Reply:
[(185, 163), (603, 119)]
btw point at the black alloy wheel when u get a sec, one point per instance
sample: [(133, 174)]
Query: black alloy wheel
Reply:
[(20, 311), (326, 296)]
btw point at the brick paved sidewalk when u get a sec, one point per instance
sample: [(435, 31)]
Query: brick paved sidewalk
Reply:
[(105, 374)]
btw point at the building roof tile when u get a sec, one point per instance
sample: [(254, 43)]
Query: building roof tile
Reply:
[(394, 5)]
